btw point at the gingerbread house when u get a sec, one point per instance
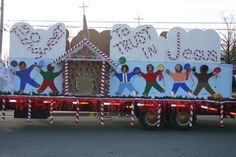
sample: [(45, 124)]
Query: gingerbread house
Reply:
[(85, 65)]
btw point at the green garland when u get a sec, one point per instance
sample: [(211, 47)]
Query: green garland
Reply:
[(140, 97)]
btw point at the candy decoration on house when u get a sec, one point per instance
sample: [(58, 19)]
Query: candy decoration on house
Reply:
[(48, 79), (150, 78), (103, 75), (91, 47), (203, 78), (124, 78), (24, 75), (179, 78)]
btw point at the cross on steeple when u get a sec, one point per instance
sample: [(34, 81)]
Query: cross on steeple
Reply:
[(83, 7), (138, 19)]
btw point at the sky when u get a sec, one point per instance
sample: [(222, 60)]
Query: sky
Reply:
[(118, 11)]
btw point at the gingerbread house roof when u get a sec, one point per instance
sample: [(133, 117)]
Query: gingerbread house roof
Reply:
[(91, 47)]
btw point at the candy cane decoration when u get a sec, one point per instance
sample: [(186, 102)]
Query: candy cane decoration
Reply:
[(30, 39), (178, 48), (51, 113), (212, 55), (103, 75), (102, 114), (29, 111), (66, 83), (77, 112), (92, 47), (108, 82), (187, 53), (158, 115), (3, 110), (132, 115), (101, 54), (191, 116), (221, 115)]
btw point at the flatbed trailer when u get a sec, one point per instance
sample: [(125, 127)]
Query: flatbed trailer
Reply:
[(152, 113)]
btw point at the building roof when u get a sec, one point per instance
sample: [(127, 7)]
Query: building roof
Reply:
[(91, 47)]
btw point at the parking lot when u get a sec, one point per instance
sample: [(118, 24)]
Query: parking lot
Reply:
[(117, 138)]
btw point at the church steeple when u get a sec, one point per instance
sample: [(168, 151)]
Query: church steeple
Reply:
[(85, 27)]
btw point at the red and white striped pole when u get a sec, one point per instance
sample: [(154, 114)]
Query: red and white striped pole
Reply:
[(158, 115), (3, 110), (103, 75), (102, 114), (132, 115), (221, 115), (51, 113), (29, 111), (77, 112), (191, 115), (66, 79)]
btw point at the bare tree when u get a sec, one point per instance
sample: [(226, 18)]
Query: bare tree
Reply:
[(228, 42)]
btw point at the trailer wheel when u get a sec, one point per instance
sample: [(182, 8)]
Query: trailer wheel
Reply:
[(148, 120), (181, 119)]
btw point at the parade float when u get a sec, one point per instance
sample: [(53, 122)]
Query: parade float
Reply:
[(171, 77)]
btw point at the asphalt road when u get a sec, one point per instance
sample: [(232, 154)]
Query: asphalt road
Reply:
[(117, 138)]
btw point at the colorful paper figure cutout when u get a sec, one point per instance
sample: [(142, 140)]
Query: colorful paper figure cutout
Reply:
[(6, 79), (24, 75), (203, 78), (48, 79), (3, 79), (179, 78), (124, 78), (150, 78)]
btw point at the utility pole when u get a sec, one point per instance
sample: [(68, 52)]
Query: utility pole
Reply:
[(1, 27)]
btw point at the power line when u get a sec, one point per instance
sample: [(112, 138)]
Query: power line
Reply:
[(105, 27), (153, 22)]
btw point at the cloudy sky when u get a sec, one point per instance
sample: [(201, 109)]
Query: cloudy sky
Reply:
[(47, 12), (120, 10)]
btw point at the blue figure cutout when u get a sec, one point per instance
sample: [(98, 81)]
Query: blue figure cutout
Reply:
[(24, 75), (124, 78)]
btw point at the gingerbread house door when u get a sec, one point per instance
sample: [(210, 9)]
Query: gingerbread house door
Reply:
[(84, 84)]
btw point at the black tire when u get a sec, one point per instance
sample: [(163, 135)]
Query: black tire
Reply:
[(180, 120), (148, 120)]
